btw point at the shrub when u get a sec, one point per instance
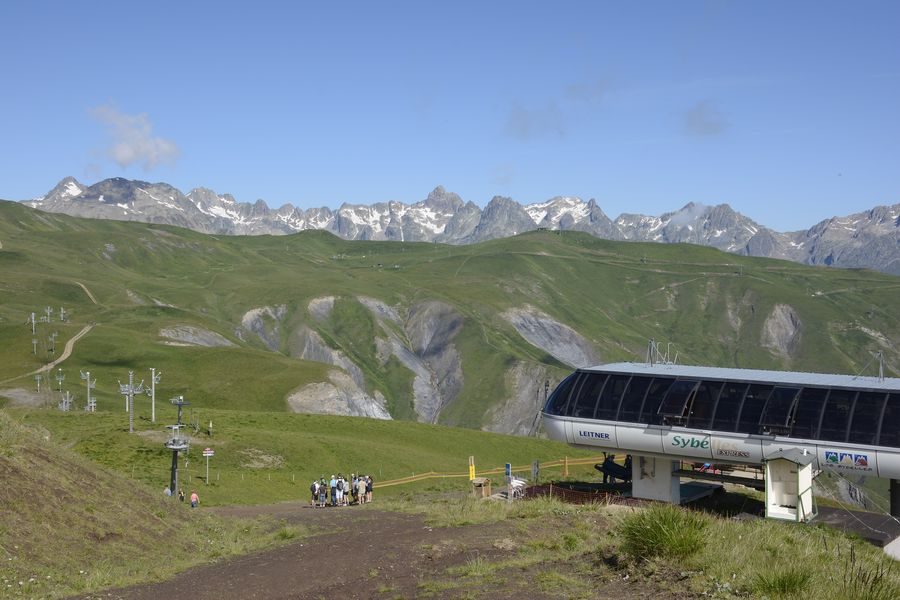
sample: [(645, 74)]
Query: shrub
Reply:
[(663, 530)]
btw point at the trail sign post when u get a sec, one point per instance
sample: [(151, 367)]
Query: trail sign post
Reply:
[(207, 452)]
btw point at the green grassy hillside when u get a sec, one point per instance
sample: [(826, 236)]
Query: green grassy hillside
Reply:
[(713, 306), (69, 526)]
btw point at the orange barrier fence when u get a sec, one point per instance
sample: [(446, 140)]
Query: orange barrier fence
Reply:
[(565, 463)]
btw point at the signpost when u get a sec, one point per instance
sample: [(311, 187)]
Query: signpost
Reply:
[(207, 452)]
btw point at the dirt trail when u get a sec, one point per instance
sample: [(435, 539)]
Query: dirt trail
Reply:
[(66, 353), (88, 292), (356, 552), (362, 552)]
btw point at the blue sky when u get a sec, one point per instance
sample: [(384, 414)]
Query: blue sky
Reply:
[(787, 111)]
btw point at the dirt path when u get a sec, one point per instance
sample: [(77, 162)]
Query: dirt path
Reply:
[(66, 353), (357, 552), (87, 291), (363, 552)]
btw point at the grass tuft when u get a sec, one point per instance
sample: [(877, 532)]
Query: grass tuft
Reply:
[(664, 531), (790, 583), (863, 580)]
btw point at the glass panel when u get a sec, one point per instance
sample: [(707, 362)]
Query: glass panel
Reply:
[(675, 402), (890, 424), (779, 409), (630, 411), (866, 416), (586, 395), (809, 413), (751, 410), (556, 403), (655, 395), (609, 399), (704, 404), (729, 406), (837, 415)]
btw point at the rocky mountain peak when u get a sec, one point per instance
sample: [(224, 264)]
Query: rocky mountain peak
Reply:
[(867, 239)]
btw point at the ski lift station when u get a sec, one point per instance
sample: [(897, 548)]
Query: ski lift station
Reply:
[(791, 424)]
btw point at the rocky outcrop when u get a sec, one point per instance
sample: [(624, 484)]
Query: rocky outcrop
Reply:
[(188, 335), (320, 308), (431, 328), (560, 341), (309, 345), (781, 331), (265, 323), (527, 385), (338, 396)]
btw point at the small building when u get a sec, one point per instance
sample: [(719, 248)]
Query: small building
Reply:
[(789, 494)]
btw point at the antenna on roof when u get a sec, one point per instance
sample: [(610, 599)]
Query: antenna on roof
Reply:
[(655, 354), (878, 355)]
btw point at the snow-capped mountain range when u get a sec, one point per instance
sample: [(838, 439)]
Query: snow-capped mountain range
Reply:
[(868, 239)]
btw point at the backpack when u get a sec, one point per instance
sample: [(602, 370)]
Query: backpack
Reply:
[(312, 487), (340, 485)]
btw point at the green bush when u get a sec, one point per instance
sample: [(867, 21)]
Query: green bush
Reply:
[(663, 530)]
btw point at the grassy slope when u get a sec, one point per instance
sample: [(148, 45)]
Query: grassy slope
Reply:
[(69, 526), (618, 295), (284, 452)]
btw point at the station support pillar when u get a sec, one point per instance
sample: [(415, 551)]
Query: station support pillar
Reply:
[(655, 479)]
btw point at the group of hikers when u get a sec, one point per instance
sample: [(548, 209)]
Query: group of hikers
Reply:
[(341, 491), (195, 499)]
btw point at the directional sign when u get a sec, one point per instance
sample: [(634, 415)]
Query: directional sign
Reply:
[(208, 452)]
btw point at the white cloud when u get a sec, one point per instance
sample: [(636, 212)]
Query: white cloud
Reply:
[(704, 119), (132, 140)]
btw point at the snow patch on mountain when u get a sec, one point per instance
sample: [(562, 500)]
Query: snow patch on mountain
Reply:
[(550, 213)]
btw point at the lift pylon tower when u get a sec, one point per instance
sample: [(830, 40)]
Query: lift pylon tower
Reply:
[(177, 443), (91, 405), (129, 390), (154, 379)]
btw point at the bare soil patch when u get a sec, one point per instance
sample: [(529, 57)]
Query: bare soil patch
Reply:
[(361, 552)]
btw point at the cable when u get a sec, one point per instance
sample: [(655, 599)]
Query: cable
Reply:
[(850, 512), (872, 496)]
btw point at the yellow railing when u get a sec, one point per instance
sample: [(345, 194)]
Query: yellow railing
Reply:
[(565, 463)]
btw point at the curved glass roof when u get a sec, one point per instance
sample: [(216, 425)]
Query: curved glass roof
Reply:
[(757, 375), (809, 406)]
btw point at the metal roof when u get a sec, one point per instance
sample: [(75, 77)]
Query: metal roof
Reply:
[(795, 455), (751, 375)]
